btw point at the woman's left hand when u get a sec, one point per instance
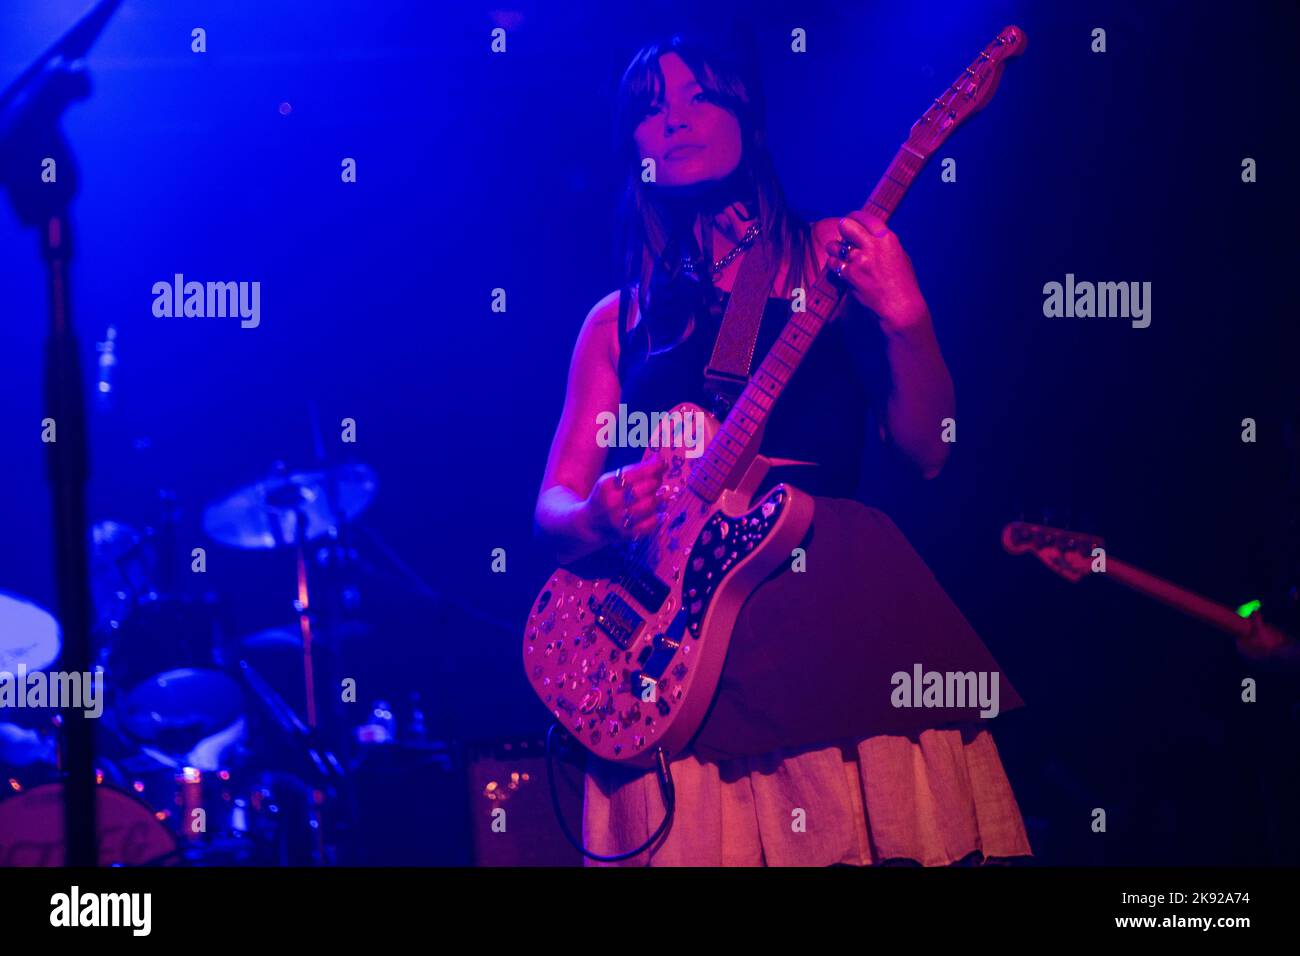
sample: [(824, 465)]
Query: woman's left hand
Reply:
[(878, 272)]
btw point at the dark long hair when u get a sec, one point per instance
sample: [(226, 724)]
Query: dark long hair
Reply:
[(655, 230)]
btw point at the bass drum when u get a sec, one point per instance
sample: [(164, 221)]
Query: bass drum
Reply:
[(31, 829)]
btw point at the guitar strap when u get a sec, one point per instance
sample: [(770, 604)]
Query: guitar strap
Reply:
[(733, 352)]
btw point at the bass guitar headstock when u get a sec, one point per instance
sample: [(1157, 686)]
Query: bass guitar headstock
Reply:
[(1068, 553)]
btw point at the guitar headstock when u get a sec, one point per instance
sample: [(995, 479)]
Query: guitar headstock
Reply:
[(1068, 553), (969, 93)]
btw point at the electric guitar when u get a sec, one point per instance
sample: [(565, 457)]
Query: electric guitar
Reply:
[(625, 646), (1075, 556)]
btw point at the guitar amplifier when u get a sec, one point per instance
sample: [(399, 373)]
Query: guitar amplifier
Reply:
[(408, 808), (512, 822)]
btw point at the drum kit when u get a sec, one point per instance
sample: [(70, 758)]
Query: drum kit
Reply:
[(201, 757)]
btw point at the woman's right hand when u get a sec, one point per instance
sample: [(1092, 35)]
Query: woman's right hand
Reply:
[(627, 503)]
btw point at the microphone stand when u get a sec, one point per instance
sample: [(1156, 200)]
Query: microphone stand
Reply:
[(31, 110)]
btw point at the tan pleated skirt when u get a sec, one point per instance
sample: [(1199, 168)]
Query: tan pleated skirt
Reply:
[(935, 798)]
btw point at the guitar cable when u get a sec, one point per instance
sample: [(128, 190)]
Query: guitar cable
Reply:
[(666, 789)]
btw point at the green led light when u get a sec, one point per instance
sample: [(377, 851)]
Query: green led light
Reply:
[(1247, 609)]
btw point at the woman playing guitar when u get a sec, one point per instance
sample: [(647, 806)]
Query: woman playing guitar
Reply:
[(844, 777)]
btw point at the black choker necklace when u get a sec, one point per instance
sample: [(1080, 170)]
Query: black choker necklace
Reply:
[(746, 241)]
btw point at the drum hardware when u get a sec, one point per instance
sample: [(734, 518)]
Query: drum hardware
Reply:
[(327, 772), (123, 569), (181, 696), (290, 510), (322, 761)]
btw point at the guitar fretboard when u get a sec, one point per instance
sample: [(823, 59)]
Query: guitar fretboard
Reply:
[(894, 184)]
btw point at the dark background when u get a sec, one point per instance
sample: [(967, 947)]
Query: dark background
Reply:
[(479, 171)]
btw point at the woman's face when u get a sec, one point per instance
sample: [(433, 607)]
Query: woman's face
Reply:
[(690, 137)]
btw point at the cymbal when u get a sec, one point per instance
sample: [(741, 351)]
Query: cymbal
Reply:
[(28, 635), (286, 509)]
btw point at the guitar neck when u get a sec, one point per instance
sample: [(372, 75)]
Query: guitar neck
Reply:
[(746, 418), (737, 438), (1181, 599)]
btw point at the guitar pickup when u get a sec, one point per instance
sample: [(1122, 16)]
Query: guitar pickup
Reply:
[(616, 618)]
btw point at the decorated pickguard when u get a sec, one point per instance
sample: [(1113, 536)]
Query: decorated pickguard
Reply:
[(721, 545), (593, 657)]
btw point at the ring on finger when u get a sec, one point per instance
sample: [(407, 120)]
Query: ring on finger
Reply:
[(618, 477), (627, 518)]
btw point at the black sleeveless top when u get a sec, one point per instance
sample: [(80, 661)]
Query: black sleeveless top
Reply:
[(814, 655), (822, 415)]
